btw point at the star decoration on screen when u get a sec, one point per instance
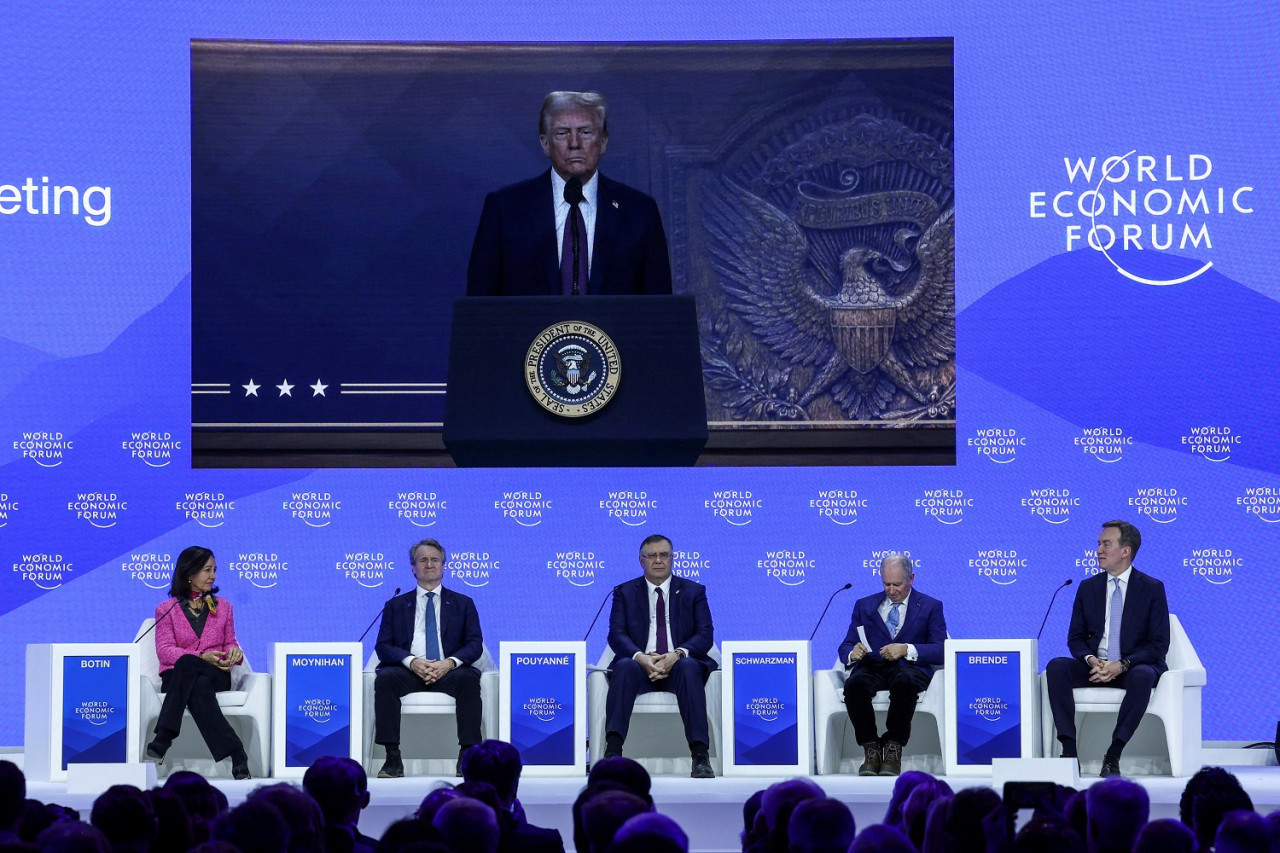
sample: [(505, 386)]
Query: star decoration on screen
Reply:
[(251, 390), (286, 390), (317, 390)]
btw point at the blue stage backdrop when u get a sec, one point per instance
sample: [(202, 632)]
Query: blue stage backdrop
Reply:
[(1117, 326)]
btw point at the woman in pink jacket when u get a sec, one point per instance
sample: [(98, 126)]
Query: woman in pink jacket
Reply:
[(196, 645)]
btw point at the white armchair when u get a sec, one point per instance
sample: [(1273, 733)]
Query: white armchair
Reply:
[(1167, 739), (836, 750), (247, 707), (429, 731), (656, 738)]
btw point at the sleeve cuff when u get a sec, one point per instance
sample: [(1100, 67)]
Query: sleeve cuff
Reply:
[(912, 654), (408, 662), (457, 662)]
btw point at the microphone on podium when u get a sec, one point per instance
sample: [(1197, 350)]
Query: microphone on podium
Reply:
[(1065, 584), (375, 619), (828, 607)]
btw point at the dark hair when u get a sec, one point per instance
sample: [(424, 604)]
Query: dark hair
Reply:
[(1117, 810), (203, 801), (13, 794), (300, 812), (655, 537), (1049, 834), (902, 788), (560, 102), (1129, 536), (338, 786), (254, 826), (605, 813), (1165, 835), (497, 763), (190, 561), (628, 773), (125, 817), (821, 824), (431, 543), (173, 825), (72, 837)]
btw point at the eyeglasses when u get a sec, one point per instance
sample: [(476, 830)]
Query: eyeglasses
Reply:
[(656, 555)]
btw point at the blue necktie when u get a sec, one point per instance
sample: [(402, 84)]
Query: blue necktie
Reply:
[(429, 628), (1117, 612), (892, 621)]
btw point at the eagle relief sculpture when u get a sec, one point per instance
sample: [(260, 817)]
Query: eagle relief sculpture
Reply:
[(856, 286)]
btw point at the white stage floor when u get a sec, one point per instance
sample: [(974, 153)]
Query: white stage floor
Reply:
[(710, 810)]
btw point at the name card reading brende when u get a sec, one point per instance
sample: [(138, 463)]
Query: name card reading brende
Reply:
[(991, 708)]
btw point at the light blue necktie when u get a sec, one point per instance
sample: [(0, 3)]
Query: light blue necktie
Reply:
[(892, 621), (1117, 612), (433, 644)]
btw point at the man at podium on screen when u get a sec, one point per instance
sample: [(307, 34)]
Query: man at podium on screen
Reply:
[(570, 231), (661, 633), (895, 639), (1119, 636), (428, 640)]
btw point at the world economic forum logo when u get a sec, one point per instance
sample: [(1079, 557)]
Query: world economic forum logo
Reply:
[(474, 568), (95, 712), (1000, 566), (45, 570), (527, 509), (314, 509), (1051, 505), (946, 506), (263, 569), (579, 568), (46, 449), (1213, 443), (101, 509), (733, 505), (630, 507), (153, 569), (155, 449), (318, 710), (544, 708), (1129, 205), (786, 567), (368, 569), (689, 564), (572, 369), (421, 509), (989, 708), (766, 708), (1106, 444), (207, 509), (1262, 502), (1161, 505), (999, 444), (8, 506), (839, 506), (1218, 566)]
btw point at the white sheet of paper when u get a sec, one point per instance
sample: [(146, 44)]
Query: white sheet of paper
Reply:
[(862, 638)]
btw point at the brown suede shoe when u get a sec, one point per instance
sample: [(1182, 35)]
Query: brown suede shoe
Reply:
[(891, 763), (871, 761)]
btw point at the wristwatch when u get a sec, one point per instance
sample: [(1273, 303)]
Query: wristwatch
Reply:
[(1124, 665), (681, 653)]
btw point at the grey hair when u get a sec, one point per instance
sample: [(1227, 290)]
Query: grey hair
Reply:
[(558, 102)]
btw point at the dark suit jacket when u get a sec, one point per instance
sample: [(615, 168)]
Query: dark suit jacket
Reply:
[(515, 252), (459, 628), (923, 626), (1144, 627), (687, 607)]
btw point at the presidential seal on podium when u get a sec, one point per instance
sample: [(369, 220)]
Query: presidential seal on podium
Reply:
[(572, 369)]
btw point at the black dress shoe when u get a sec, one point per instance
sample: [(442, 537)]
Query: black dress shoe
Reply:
[(613, 746), (393, 767), (240, 770), (156, 749), (1110, 766), (702, 769)]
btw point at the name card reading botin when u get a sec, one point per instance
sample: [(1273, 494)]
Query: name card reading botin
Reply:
[(572, 369), (95, 709)]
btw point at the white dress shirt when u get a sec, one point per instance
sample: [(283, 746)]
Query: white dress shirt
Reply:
[(1103, 644), (651, 644), (418, 648), (587, 207)]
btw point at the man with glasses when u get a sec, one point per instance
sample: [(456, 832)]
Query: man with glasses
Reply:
[(428, 640), (660, 632)]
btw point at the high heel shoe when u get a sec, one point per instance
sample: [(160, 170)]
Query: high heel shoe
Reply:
[(156, 749), (240, 766)]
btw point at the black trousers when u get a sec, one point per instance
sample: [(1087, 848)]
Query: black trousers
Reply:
[(1066, 674), (904, 682), (393, 682), (687, 680), (192, 685)]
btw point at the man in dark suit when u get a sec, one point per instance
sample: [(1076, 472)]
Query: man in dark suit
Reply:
[(524, 245), (895, 639), (1119, 637), (660, 632), (497, 763), (428, 640)]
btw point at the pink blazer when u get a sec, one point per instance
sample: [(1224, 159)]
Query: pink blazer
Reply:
[(174, 637)]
